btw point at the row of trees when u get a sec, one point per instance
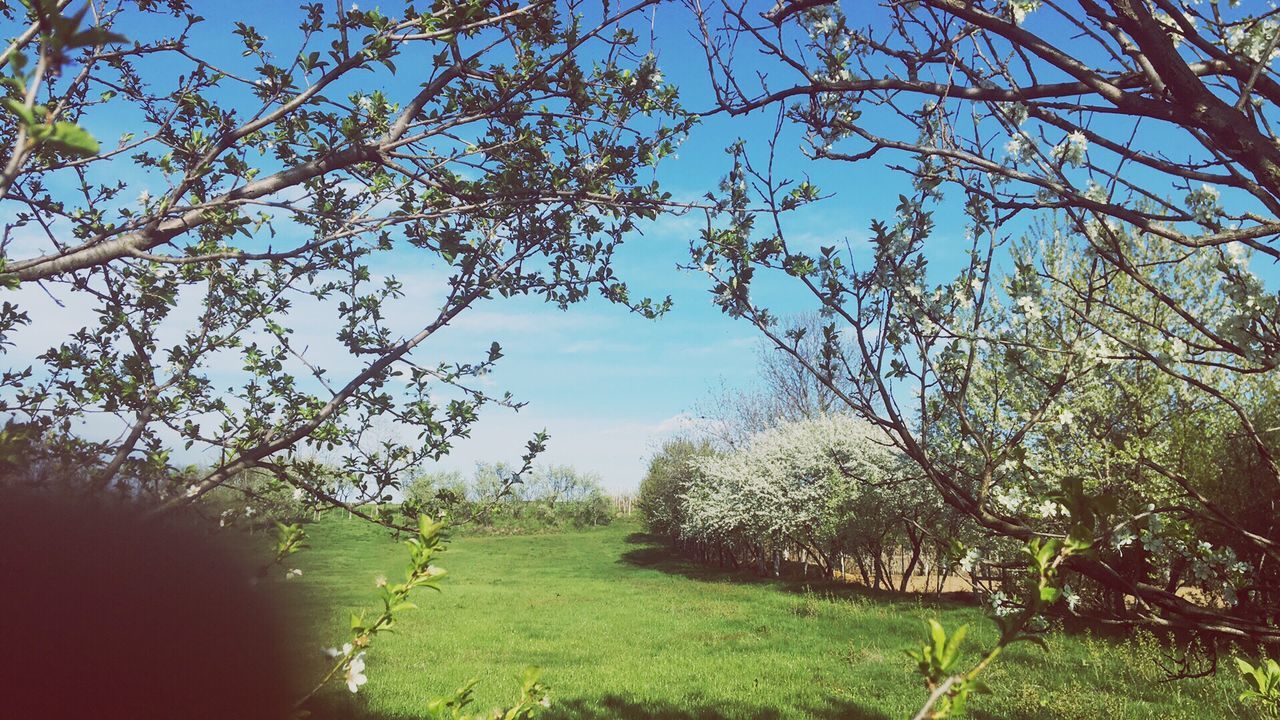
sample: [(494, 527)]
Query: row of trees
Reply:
[(818, 490), (552, 496), (1118, 435)]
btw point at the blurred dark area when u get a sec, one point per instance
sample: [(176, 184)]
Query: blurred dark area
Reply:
[(108, 613)]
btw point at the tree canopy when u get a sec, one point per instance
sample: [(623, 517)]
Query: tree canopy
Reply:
[(194, 200), (1111, 327)]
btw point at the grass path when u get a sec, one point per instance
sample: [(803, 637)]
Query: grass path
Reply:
[(623, 631)]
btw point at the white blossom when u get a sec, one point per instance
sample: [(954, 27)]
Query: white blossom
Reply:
[(1072, 150), (783, 482), (1001, 605), (355, 672), (1049, 509), (293, 573), (1021, 8), (1011, 499), (1028, 307), (1020, 147), (335, 652), (1070, 596), (1203, 203), (1237, 253)]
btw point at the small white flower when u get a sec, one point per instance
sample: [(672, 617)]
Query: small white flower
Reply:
[(144, 197), (355, 672), (1065, 418), (545, 701), (380, 581), (1203, 203), (1001, 605), (248, 510), (1072, 150), (293, 573), (1028, 306), (1049, 509), (1020, 9), (1070, 597), (298, 494), (1237, 253), (193, 491), (1010, 499)]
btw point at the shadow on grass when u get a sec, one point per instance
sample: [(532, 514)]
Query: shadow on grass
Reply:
[(616, 707), (658, 554)]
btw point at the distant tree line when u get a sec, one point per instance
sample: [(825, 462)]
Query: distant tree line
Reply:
[(549, 497)]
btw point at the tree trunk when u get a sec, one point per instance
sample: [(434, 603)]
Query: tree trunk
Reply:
[(917, 540)]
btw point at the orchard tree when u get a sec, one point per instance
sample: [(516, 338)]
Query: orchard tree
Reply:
[(1057, 391), (800, 484), (228, 220), (671, 470)]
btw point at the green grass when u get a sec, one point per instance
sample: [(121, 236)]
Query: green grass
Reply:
[(621, 630)]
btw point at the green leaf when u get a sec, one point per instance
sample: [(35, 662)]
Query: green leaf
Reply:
[(953, 647), (939, 637), (1080, 539), (73, 140), (19, 108)]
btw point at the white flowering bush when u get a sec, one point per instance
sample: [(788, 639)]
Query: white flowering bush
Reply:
[(828, 485)]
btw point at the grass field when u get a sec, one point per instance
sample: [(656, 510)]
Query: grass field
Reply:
[(621, 630)]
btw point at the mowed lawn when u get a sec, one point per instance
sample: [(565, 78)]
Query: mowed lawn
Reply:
[(623, 631)]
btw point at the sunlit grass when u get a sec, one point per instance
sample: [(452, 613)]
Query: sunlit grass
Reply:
[(621, 630)]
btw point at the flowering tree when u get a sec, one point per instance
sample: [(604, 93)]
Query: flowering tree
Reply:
[(809, 483), (1073, 387), (671, 471), (223, 219)]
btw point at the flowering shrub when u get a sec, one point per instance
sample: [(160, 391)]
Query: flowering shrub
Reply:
[(828, 485)]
